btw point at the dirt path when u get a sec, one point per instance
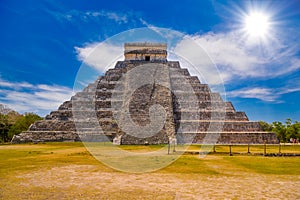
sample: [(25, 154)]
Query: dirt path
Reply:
[(88, 182)]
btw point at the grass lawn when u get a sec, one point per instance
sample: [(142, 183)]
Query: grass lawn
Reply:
[(69, 171)]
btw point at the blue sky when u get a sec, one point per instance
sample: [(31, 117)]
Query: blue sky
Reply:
[(43, 45)]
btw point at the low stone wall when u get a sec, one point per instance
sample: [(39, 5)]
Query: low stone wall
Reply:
[(228, 138), (45, 136), (160, 138)]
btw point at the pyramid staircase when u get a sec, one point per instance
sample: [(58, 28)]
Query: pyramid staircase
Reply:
[(195, 115)]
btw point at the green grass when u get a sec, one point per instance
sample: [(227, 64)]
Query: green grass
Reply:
[(189, 164), (254, 149), (31, 156), (24, 157), (267, 165), (26, 167)]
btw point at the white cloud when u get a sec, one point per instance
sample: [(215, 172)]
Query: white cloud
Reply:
[(52, 88), (114, 16), (236, 58), (75, 15), (117, 17), (7, 84), (216, 58), (289, 90), (197, 61), (101, 56), (25, 97), (264, 94)]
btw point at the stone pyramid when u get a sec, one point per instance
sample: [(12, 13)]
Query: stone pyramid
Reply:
[(147, 99)]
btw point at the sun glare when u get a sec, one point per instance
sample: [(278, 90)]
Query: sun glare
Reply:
[(257, 24)]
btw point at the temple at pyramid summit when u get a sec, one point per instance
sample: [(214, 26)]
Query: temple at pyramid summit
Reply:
[(147, 99)]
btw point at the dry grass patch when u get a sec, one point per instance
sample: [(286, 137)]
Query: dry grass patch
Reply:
[(68, 171)]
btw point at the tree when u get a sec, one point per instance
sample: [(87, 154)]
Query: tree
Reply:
[(265, 126), (280, 129), (297, 129), (22, 124), (293, 130), (286, 131), (4, 128)]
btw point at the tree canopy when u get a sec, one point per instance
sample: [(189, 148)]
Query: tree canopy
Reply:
[(284, 131), (13, 123)]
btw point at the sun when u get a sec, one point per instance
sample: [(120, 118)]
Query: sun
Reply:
[(256, 24)]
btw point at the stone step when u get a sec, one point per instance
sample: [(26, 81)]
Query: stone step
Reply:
[(190, 79), (173, 64), (45, 136), (159, 138), (106, 126), (48, 125), (65, 106), (208, 105), (96, 105), (93, 137), (234, 137), (201, 125), (198, 96), (191, 89), (208, 115), (106, 85), (178, 71)]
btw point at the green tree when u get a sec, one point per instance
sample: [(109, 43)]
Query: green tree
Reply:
[(297, 129), (13, 116), (293, 130), (280, 129), (286, 131), (4, 128), (265, 126), (22, 124)]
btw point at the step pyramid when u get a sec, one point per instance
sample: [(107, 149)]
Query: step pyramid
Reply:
[(147, 99)]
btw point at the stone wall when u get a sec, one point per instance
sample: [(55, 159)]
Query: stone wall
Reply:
[(228, 138), (140, 101), (145, 51), (129, 47), (46, 136)]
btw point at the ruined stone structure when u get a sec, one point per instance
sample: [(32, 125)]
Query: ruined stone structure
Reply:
[(192, 115), (152, 52)]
